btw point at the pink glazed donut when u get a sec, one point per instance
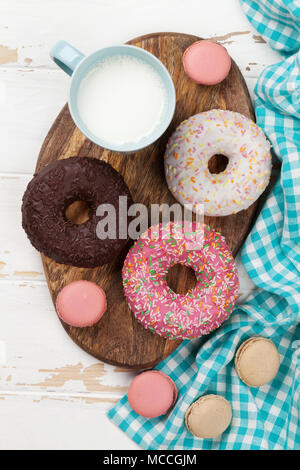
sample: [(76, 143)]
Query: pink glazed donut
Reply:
[(156, 305)]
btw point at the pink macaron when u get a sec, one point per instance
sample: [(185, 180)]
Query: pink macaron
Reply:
[(81, 303), (206, 62), (152, 394)]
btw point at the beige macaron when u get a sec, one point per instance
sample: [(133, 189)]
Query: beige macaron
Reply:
[(257, 361), (209, 416)]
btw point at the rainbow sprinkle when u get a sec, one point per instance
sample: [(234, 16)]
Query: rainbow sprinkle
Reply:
[(161, 310), (213, 132)]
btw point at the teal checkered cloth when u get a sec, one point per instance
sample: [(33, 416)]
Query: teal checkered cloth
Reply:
[(266, 417)]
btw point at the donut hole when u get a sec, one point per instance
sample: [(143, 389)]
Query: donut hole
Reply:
[(181, 279), (78, 212), (217, 164)]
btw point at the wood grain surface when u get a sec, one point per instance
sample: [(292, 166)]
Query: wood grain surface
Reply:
[(118, 338)]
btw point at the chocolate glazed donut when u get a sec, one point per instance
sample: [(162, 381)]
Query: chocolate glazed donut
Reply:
[(47, 197)]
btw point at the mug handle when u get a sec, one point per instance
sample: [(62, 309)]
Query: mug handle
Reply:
[(66, 56)]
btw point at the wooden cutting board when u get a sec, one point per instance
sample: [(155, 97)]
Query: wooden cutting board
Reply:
[(118, 338)]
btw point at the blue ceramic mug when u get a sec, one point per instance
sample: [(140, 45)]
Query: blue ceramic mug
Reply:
[(77, 65)]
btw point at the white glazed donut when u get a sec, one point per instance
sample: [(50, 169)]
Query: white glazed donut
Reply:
[(210, 133)]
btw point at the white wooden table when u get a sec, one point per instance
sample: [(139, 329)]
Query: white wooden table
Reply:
[(52, 394)]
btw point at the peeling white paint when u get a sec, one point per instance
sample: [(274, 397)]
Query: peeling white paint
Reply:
[(3, 353)]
